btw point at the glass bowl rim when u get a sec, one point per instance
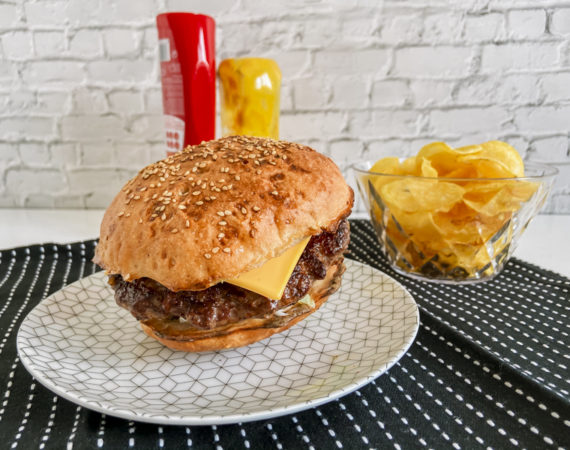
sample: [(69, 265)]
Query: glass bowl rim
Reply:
[(549, 172)]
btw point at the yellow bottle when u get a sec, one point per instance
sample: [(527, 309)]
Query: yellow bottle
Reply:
[(250, 92)]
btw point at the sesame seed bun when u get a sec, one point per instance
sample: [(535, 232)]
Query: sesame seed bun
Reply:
[(219, 209)]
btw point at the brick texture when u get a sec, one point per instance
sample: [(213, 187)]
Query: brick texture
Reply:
[(81, 105)]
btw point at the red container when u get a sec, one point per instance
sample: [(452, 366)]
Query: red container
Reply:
[(188, 73)]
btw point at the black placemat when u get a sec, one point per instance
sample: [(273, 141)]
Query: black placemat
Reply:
[(489, 368)]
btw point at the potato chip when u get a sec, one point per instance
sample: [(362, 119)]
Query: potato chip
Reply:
[(482, 191), (468, 149), (500, 159), (465, 225), (463, 171), (427, 169), (508, 199), (408, 166), (506, 155), (441, 156), (414, 195), (387, 165), (419, 226)]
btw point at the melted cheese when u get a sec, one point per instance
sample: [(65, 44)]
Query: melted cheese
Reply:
[(271, 278)]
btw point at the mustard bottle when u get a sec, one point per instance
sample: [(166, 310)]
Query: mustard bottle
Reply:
[(250, 93)]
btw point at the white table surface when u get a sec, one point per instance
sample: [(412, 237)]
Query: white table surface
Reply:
[(546, 242)]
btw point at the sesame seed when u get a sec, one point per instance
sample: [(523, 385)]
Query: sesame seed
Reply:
[(143, 189), (140, 220), (215, 250), (256, 208), (162, 179), (128, 215), (186, 173), (284, 156), (200, 203), (196, 193), (237, 177), (202, 165), (221, 235), (187, 223), (222, 223), (244, 211), (152, 185), (220, 213), (181, 207), (258, 172), (163, 217), (207, 256), (137, 197), (274, 193), (227, 212), (213, 197), (227, 250), (121, 213), (154, 196), (162, 208), (154, 215), (174, 230)]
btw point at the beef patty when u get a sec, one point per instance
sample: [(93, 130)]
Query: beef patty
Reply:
[(224, 303)]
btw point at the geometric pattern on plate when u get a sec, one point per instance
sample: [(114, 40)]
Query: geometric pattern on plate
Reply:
[(81, 345)]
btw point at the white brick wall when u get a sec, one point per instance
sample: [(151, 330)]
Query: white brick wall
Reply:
[(80, 99)]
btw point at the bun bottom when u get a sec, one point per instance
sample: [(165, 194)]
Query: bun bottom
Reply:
[(319, 292)]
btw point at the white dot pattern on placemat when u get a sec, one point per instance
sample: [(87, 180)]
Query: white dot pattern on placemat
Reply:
[(456, 387), (81, 345), (480, 312)]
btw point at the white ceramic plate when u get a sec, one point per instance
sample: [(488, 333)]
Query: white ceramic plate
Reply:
[(82, 346)]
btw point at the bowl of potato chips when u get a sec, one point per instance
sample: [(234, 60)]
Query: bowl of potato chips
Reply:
[(453, 215)]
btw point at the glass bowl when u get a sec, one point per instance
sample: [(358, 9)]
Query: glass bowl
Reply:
[(451, 230)]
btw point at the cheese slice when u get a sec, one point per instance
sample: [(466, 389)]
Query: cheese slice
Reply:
[(271, 278)]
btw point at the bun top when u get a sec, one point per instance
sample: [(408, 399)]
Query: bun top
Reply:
[(219, 209)]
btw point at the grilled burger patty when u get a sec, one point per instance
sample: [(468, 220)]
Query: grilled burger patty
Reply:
[(224, 303)]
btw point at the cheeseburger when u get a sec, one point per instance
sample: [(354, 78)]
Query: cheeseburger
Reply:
[(227, 242)]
